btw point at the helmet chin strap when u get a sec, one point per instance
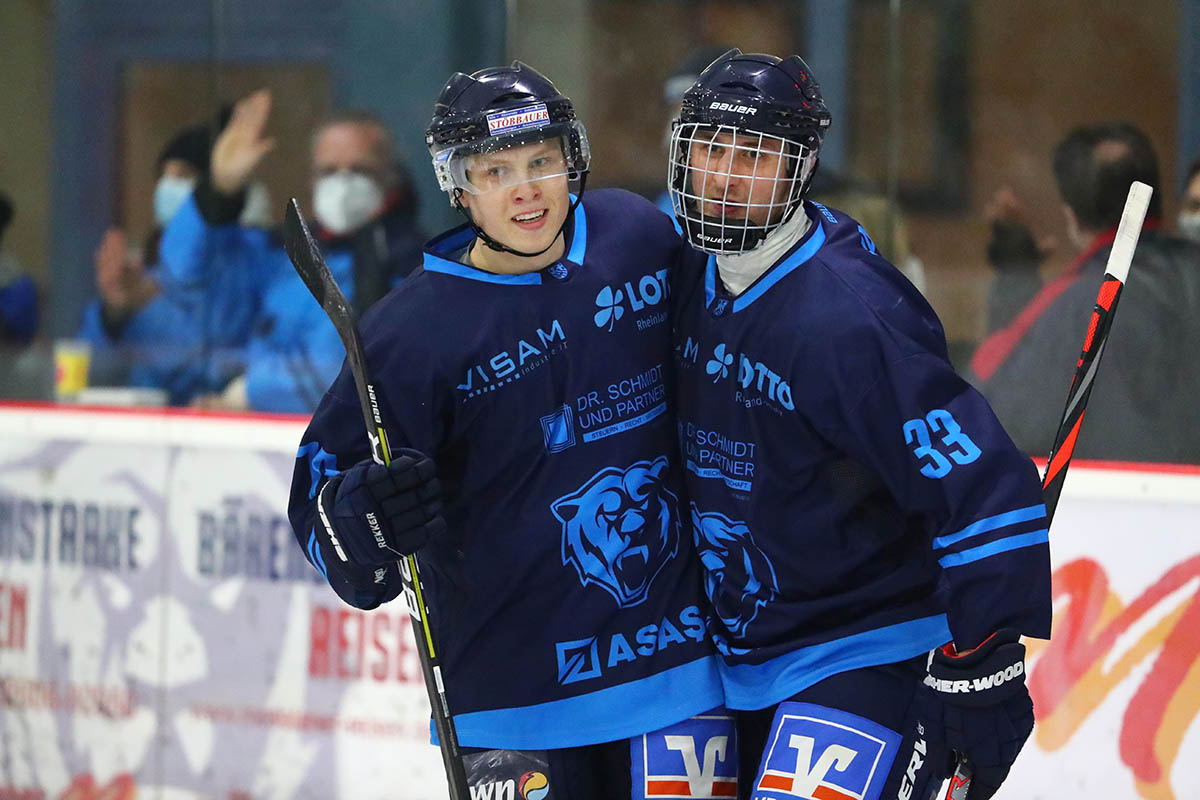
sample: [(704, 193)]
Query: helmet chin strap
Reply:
[(499, 246)]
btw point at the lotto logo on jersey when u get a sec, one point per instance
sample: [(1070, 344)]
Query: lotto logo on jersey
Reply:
[(696, 758), (648, 290), (756, 380), (820, 753)]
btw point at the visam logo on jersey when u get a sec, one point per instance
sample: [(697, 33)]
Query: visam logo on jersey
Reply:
[(695, 758), (819, 753)]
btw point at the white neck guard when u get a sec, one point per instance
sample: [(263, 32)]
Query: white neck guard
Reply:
[(740, 270)]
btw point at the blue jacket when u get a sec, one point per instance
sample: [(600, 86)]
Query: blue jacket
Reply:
[(250, 299), (188, 340)]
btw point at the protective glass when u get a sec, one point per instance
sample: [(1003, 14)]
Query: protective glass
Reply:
[(482, 167), (731, 186)]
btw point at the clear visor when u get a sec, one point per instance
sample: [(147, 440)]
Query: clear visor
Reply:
[(732, 185), (479, 168)]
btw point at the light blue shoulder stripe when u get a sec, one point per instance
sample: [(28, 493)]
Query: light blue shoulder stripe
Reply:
[(437, 264), (710, 280), (986, 524), (992, 548), (753, 686), (782, 270), (579, 237), (606, 715)]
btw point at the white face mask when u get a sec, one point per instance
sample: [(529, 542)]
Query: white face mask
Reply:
[(345, 201), (1189, 225), (169, 194)]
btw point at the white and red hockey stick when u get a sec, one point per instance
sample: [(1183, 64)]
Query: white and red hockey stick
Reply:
[(958, 785)]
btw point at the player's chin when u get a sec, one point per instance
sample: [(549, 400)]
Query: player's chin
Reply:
[(534, 240)]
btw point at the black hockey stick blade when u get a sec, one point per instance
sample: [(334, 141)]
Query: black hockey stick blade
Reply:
[(1099, 326), (306, 257), (310, 265)]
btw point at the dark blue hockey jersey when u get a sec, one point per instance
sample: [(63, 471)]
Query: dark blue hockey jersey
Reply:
[(855, 502), (567, 603)]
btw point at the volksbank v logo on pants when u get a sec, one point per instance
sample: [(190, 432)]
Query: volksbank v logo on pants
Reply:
[(695, 758), (821, 753)]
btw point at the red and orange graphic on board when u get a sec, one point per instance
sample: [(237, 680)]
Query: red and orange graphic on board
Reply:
[(1076, 671)]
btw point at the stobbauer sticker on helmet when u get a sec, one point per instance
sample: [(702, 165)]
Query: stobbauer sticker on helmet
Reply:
[(516, 119)]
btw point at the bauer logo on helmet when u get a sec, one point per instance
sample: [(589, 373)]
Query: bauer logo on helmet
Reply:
[(733, 108)]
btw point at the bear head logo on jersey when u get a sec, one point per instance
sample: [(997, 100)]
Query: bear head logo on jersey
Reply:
[(620, 529), (738, 578)]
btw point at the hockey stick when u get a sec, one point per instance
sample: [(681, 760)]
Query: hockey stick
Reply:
[(958, 786), (306, 258)]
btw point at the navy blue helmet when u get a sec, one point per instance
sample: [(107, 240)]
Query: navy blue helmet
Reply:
[(495, 109), (744, 149)]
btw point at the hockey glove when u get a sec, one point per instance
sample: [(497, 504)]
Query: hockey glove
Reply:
[(988, 712), (374, 514)]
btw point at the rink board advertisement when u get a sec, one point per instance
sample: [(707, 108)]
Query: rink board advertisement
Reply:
[(161, 635)]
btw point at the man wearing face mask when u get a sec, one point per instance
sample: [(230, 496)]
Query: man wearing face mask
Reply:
[(1188, 222), (363, 204), (144, 330), (1144, 408)]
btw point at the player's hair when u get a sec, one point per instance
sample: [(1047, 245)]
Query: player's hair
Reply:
[(385, 147), (1094, 166)]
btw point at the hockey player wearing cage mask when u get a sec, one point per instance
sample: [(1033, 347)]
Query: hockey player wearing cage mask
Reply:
[(529, 358), (872, 540)]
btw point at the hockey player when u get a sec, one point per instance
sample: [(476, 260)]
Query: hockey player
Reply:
[(873, 543), (529, 357)]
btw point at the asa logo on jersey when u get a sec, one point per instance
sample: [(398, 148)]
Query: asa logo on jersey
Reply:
[(584, 659), (751, 375), (620, 529), (821, 753), (648, 290), (695, 758)]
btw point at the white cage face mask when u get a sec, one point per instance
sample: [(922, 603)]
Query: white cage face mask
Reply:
[(507, 163), (731, 187)]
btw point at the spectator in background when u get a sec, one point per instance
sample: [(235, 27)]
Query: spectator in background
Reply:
[(1016, 257), (1188, 222), (145, 331), (364, 208), (18, 296), (1143, 408)]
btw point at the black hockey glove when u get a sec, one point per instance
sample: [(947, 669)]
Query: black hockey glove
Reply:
[(374, 514), (988, 712)]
